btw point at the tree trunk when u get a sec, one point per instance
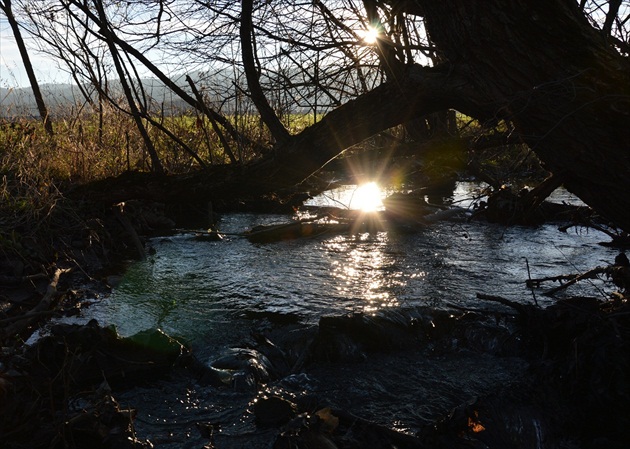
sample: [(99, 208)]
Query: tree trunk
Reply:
[(538, 64), (28, 67), (544, 67), (267, 114), (425, 91)]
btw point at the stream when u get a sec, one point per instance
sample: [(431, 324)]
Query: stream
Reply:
[(213, 294)]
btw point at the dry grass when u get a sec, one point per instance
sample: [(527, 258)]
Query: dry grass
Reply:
[(36, 169)]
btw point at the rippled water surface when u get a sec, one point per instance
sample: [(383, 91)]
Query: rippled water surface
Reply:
[(211, 293), (193, 288)]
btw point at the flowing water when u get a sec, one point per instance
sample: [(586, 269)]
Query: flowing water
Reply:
[(214, 293)]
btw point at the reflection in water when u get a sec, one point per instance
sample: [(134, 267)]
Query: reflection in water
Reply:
[(366, 197), (216, 293), (365, 271), (197, 289)]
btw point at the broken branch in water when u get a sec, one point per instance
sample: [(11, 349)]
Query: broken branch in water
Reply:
[(535, 283), (570, 278), (118, 210)]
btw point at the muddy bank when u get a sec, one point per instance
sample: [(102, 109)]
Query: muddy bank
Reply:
[(52, 269)]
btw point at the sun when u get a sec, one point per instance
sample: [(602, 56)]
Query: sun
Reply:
[(369, 35), (367, 197)]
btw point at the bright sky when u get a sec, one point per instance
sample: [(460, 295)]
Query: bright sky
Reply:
[(12, 72)]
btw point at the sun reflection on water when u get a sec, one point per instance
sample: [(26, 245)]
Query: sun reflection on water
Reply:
[(367, 197), (366, 271)]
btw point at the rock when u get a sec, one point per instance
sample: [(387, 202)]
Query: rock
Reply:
[(248, 362), (90, 352), (273, 411)]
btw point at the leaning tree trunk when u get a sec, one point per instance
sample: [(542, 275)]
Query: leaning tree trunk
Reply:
[(424, 92), (538, 64), (28, 67), (544, 67)]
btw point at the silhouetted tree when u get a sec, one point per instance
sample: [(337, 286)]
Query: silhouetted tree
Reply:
[(7, 8), (556, 73)]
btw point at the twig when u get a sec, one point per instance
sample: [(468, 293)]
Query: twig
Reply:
[(589, 224), (529, 278), (589, 274), (533, 283)]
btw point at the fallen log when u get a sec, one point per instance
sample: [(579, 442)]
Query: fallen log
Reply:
[(352, 222)]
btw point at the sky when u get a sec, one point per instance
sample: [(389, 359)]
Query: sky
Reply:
[(12, 72)]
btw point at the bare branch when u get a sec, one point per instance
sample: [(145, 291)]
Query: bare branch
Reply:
[(278, 131)]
